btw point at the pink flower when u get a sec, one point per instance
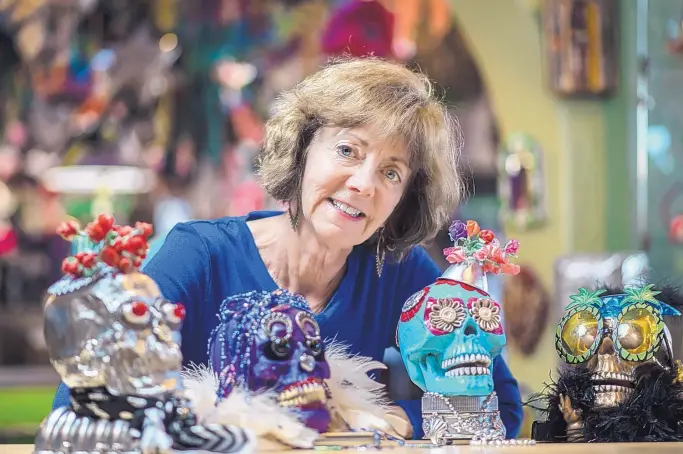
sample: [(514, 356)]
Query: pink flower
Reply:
[(454, 254), (481, 254), (496, 255), (511, 247), (509, 268)]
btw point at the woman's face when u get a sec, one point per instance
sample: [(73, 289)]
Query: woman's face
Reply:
[(352, 183)]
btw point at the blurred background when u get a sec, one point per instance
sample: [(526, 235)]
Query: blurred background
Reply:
[(153, 110)]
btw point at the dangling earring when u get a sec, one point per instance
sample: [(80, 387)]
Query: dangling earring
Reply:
[(293, 218), (381, 253)]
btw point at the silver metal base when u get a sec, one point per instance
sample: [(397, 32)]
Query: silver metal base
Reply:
[(65, 432), (448, 418)]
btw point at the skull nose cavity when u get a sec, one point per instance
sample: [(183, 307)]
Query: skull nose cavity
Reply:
[(470, 330), (307, 363), (606, 347)]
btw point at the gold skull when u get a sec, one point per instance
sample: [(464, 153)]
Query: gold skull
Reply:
[(613, 378), (612, 336)]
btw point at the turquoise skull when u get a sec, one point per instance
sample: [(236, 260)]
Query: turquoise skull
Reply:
[(449, 333)]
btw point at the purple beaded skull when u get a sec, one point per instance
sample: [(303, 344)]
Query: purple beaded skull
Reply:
[(269, 341)]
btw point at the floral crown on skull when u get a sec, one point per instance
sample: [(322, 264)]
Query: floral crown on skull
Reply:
[(111, 248), (476, 252)]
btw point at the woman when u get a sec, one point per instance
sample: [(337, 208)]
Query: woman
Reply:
[(364, 156)]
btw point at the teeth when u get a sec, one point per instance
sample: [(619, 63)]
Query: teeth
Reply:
[(302, 395), (612, 376), (346, 208)]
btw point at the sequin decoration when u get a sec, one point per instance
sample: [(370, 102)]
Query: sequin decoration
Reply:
[(249, 310), (70, 283)]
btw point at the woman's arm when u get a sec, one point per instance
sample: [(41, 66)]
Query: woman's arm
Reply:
[(423, 271), (181, 269)]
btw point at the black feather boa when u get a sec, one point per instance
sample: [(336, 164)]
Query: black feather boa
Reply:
[(653, 412)]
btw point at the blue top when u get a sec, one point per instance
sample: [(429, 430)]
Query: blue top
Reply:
[(203, 262)]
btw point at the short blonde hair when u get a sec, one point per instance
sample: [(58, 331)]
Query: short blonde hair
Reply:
[(395, 101)]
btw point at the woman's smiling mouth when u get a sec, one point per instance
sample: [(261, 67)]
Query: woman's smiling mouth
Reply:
[(345, 209)]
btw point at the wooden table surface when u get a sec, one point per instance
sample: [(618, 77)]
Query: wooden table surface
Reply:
[(554, 448)]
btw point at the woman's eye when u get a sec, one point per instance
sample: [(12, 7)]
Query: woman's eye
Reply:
[(345, 150), (392, 175)]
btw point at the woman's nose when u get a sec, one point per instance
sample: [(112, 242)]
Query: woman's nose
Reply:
[(362, 182)]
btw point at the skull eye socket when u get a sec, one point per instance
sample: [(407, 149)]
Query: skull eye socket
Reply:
[(136, 313), (486, 313), (639, 332), (444, 315), (277, 349), (309, 327), (316, 347), (175, 313), (278, 327), (577, 334)]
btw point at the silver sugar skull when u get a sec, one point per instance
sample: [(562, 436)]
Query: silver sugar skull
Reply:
[(270, 341), (613, 335), (114, 330), (449, 333)]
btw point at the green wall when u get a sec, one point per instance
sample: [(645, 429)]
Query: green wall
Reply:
[(619, 141)]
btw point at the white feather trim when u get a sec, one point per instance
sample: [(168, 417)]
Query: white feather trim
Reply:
[(350, 387), (357, 402), (258, 412)]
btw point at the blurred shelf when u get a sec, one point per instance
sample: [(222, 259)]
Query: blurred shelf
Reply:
[(28, 376)]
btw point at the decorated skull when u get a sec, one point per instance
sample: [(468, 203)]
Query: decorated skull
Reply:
[(106, 324), (115, 342), (450, 332), (613, 335), (269, 341), (115, 331)]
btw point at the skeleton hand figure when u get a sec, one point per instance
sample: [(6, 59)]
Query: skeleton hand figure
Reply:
[(114, 340), (573, 419)]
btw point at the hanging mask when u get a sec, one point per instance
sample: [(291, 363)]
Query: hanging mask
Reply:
[(621, 367), (450, 333), (521, 183), (114, 340)]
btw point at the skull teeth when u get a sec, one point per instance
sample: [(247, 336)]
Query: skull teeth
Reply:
[(301, 395), (472, 370), (613, 388), (467, 360), (611, 376)]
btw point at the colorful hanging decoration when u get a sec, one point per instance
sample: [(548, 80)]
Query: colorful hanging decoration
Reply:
[(674, 42), (418, 23), (676, 229), (526, 305), (671, 218), (360, 28), (580, 38), (521, 186)]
